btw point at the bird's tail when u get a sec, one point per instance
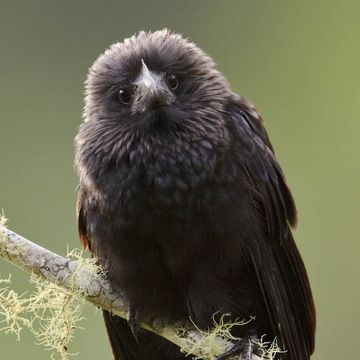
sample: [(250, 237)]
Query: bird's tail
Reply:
[(123, 342)]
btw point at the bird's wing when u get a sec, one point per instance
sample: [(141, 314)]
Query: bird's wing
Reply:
[(81, 218), (280, 270)]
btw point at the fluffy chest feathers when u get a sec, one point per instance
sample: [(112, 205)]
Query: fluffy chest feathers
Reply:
[(148, 171)]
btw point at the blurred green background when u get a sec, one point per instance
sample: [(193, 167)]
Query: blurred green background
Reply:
[(299, 63)]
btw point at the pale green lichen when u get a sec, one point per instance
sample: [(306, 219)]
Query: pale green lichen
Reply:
[(268, 350), (12, 310), (50, 312), (208, 344), (3, 219)]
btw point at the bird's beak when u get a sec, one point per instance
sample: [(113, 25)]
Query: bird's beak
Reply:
[(151, 91)]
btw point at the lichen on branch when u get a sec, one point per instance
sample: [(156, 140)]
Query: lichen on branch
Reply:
[(62, 284), (50, 312)]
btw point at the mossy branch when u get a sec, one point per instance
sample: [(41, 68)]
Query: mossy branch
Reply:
[(71, 275)]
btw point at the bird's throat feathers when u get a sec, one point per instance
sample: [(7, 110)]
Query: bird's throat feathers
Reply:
[(157, 168)]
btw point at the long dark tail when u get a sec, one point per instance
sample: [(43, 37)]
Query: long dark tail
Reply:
[(147, 346), (123, 342)]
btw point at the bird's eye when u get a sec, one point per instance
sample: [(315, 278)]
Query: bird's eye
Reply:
[(125, 95), (172, 81)]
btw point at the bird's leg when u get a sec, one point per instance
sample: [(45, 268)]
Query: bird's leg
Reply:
[(133, 322), (244, 347)]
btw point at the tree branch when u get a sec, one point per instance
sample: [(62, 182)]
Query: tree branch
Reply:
[(68, 274)]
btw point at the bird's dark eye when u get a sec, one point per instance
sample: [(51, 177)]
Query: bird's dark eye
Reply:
[(172, 81), (125, 95)]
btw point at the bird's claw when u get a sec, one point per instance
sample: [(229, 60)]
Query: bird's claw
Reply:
[(244, 347)]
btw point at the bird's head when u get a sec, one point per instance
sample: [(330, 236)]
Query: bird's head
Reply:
[(154, 93)]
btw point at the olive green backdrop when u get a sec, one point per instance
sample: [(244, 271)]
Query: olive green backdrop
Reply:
[(298, 61)]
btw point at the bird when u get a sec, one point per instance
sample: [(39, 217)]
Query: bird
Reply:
[(183, 203)]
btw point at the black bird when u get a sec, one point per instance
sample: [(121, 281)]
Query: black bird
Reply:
[(184, 204)]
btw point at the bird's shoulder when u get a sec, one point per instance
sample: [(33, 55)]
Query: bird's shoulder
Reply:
[(254, 155)]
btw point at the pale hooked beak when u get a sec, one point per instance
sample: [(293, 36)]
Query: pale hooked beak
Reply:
[(151, 90), (146, 78)]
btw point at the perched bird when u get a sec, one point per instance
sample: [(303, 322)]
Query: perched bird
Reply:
[(184, 204)]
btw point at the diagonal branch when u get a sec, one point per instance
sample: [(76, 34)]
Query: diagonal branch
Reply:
[(33, 258)]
